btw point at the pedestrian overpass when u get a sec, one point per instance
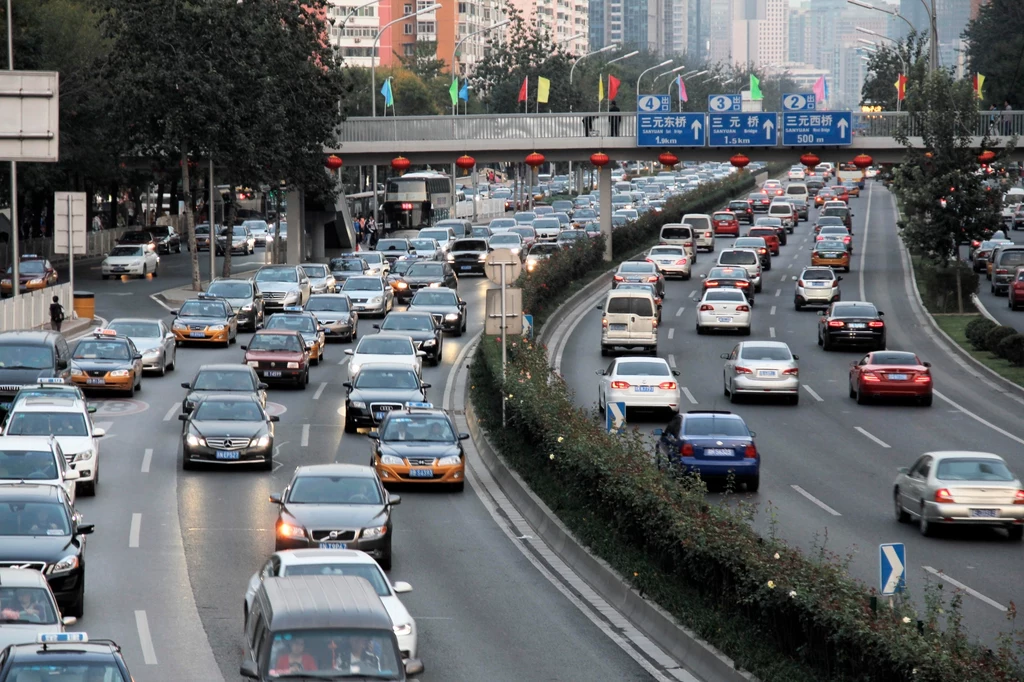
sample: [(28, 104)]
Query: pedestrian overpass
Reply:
[(493, 138)]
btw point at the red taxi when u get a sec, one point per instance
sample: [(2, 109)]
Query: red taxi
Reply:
[(726, 223), (842, 193)]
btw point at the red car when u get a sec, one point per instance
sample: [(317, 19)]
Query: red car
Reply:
[(1015, 294), (769, 235), (726, 223), (279, 356), (842, 193), (891, 374)]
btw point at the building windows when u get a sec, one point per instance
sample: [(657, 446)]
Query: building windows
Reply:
[(409, 49), (425, 27), (407, 29), (407, 10)]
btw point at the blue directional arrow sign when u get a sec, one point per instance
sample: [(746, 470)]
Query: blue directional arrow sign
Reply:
[(649, 104), (816, 128), (670, 130), (892, 568), (750, 129), (615, 417), (799, 101), (722, 103)]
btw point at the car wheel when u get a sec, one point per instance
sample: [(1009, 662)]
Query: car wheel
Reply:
[(1015, 533), (826, 343), (901, 514), (87, 488), (435, 360), (798, 305), (459, 487), (753, 483), (926, 401), (385, 559), (700, 330), (734, 397), (686, 277), (163, 369), (853, 393), (604, 352), (156, 270), (315, 361), (77, 607), (795, 398), (746, 331), (186, 463), (820, 342), (924, 525), (106, 276), (757, 289), (174, 360)]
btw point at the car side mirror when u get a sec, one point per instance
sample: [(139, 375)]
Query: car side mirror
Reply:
[(275, 498), (375, 435), (377, 327), (597, 307), (91, 409), (248, 670), (394, 500), (85, 529), (463, 436), (349, 351), (462, 304), (880, 313), (242, 347), (174, 312), (72, 475), (262, 386), (401, 587), (421, 354), (927, 364), (724, 356), (676, 373), (753, 434), (137, 356), (903, 470), (68, 620), (275, 418), (796, 357), (183, 417), (347, 384), (839, 279), (600, 372), (425, 385), (821, 312)]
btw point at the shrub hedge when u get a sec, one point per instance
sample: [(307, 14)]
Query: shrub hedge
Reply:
[(996, 335), (937, 284), (810, 612), (1011, 348), (977, 329)]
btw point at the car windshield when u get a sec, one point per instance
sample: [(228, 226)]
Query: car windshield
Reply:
[(834, 211), (99, 349), (141, 330), (426, 270), (392, 245), (469, 245), (759, 352), (643, 369), (723, 216), (715, 426), (363, 284), (402, 379), (401, 267), (315, 271), (727, 273), (347, 264), (507, 239), (440, 235), (585, 214), (544, 249), (34, 518), (423, 244), (737, 258), (202, 229), (30, 465), (830, 221), (199, 308), (967, 469), (385, 345), (322, 489), (408, 322), (427, 429), (298, 323), (830, 230), (757, 242), (725, 296), (223, 380), (370, 572), (894, 358), (46, 423), (255, 225), (339, 653), (332, 304), (27, 605), (644, 267), (116, 252), (276, 342), (481, 232), (277, 275), (526, 217), (818, 274), (229, 290), (524, 232), (502, 223), (228, 411), (25, 357), (854, 310), (435, 298)]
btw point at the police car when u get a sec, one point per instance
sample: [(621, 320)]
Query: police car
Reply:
[(64, 656)]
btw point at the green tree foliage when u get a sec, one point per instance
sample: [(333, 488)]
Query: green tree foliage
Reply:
[(908, 57), (424, 62), (413, 96), (995, 48), (944, 198)]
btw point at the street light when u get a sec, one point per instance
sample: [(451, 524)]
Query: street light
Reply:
[(933, 47), (606, 48), (903, 62), (571, 38), (666, 73), (646, 71), (625, 56), (455, 70), (373, 57)]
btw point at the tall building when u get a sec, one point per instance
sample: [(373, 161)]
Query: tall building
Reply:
[(676, 22), (719, 33), (636, 24), (561, 19), (798, 36), (355, 38), (773, 34), (951, 20)]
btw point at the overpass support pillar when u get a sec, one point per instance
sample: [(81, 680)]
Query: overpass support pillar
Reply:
[(296, 227), (317, 236), (604, 187)]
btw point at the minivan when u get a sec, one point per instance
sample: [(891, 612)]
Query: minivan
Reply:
[(677, 234), (459, 226), (747, 259), (703, 230), (321, 622), (784, 212), (797, 189), (28, 356), (1005, 262), (629, 320)]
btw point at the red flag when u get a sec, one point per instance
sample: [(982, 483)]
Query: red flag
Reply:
[(901, 87), (613, 86), (522, 90)]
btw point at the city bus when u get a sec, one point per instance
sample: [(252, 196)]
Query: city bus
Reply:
[(848, 171), (416, 200)]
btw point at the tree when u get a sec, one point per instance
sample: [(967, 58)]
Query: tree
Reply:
[(995, 49), (411, 94), (885, 65), (424, 62)]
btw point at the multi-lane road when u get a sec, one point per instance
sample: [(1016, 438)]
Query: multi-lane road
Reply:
[(173, 550), (828, 464)]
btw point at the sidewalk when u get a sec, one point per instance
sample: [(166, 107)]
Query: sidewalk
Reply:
[(74, 327)]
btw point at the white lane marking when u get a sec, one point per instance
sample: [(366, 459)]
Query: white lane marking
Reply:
[(978, 419), (771, 331), (693, 296), (689, 396), (959, 585), (145, 639), (671, 333), (813, 393), (147, 459), (320, 391), (134, 529), (815, 500), (877, 440), (772, 311), (343, 361), (789, 266), (305, 436), (161, 303), (680, 312), (864, 245), (175, 408), (672, 361), (778, 292), (795, 256)]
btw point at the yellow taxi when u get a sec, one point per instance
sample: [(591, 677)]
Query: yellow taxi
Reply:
[(294, 318), (418, 444), (105, 361), (34, 272), (206, 319), (832, 254)]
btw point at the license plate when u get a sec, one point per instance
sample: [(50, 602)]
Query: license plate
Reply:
[(617, 327), (643, 389), (718, 452), (466, 267), (856, 325), (767, 373), (985, 513), (328, 331), (227, 454), (379, 415), (421, 473), (96, 382), (725, 319), (272, 373), (333, 545), (898, 377), (197, 335)]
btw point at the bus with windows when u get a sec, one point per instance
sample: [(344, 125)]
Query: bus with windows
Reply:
[(416, 200), (847, 171)]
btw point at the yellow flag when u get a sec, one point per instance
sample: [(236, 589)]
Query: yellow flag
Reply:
[(543, 88), (600, 88)]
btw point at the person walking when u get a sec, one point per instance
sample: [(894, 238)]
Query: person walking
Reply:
[(614, 119), (588, 125), (56, 314), (371, 232), (1007, 118), (357, 224)]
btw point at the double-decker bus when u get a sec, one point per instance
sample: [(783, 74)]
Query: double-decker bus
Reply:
[(416, 200)]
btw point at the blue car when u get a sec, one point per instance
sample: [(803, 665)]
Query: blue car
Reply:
[(712, 443)]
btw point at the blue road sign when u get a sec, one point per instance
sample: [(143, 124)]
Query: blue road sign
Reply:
[(892, 568), (750, 129), (670, 130), (721, 103), (799, 101), (615, 417), (528, 327), (650, 104), (816, 128)]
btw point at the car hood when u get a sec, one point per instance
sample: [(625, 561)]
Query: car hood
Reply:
[(230, 428), (35, 548), (72, 445), (146, 344), (386, 395), (19, 377), (331, 315), (279, 286), (423, 279), (207, 321), (414, 449), (315, 516), (101, 364)]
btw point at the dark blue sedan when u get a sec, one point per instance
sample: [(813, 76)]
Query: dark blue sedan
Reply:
[(715, 444)]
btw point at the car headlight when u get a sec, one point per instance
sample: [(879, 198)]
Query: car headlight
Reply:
[(483, 257), (119, 373), (375, 532), (35, 281), (247, 308), (216, 328), (194, 440), (261, 442), (451, 257), (84, 455), (451, 317), (287, 530), (7, 282), (391, 459), (376, 299), (151, 353), (401, 285), (68, 563), (357, 404), (252, 363), (435, 285), (291, 296), (77, 372), (293, 365), (403, 629), (453, 460), (179, 325), (429, 343)]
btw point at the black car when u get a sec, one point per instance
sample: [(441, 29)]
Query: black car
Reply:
[(343, 268), (68, 656), (40, 529), (28, 356), (335, 316), (445, 305), (420, 326), (221, 379), (167, 239), (378, 389), (336, 506), (468, 255), (137, 238), (801, 205), (759, 202), (852, 323), (430, 274), (245, 299), (228, 429), (743, 210)]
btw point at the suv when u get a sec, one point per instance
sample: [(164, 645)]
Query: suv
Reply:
[(785, 212), (1005, 262), (711, 443), (748, 259), (28, 356), (817, 287)]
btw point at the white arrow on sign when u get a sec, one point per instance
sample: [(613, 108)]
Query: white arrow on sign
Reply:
[(695, 127), (842, 125), (897, 568), (768, 125)]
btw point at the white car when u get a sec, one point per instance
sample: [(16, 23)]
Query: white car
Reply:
[(387, 348), (797, 173), (67, 419), (444, 236), (152, 338), (761, 368), (671, 260), (499, 225), (348, 562), (43, 616), (645, 383), (724, 309), (379, 266), (36, 459), (137, 261)]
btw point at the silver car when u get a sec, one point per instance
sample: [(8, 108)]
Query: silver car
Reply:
[(761, 368), (370, 295), (959, 487), (282, 286), (321, 281), (152, 338), (379, 265), (673, 261), (426, 249), (337, 316), (816, 287)]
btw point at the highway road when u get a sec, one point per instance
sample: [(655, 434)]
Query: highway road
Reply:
[(173, 550), (997, 305), (828, 464)]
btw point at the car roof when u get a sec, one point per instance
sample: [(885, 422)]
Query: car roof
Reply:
[(26, 442), (765, 344), (131, 319), (21, 577), (55, 403), (336, 469), (950, 454), (445, 289), (225, 367), (27, 492), (25, 336), (233, 397), (717, 414), (324, 601)]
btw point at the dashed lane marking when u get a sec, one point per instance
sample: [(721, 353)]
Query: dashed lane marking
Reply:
[(771, 332), (772, 311), (174, 409), (672, 361), (877, 440), (778, 292), (680, 311), (813, 393), (134, 530), (671, 333), (305, 436), (147, 459), (320, 391), (959, 585), (689, 396), (145, 638), (815, 500)]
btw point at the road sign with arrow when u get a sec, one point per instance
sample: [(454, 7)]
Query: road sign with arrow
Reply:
[(892, 568), (743, 129), (816, 128), (670, 130)]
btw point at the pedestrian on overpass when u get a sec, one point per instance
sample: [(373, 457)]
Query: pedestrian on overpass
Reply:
[(614, 119), (588, 125)]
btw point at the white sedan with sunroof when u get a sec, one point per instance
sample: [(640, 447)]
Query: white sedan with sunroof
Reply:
[(639, 383)]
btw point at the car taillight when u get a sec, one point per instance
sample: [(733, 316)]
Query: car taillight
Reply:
[(681, 261), (604, 322), (706, 307), (820, 237), (975, 243), (836, 323), (792, 370), (1018, 498), (654, 324), (688, 245), (800, 283), (743, 308), (709, 235), (667, 385), (943, 495), (652, 278), (620, 384), (648, 260), (876, 324), (870, 376), (744, 370), (742, 285), (618, 278), (922, 379), (750, 452), (1001, 271), (686, 450), (846, 240)]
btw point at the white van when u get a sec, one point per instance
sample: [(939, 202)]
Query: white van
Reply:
[(784, 212), (703, 230), (678, 234), (629, 319), (797, 189)]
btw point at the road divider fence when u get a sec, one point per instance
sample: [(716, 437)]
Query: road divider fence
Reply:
[(31, 310)]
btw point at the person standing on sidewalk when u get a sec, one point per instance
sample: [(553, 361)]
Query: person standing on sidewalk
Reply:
[(56, 314)]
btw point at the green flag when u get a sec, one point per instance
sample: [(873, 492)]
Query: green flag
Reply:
[(454, 91), (755, 88)]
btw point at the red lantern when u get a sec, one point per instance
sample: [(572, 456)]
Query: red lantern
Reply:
[(986, 156), (599, 159), (534, 159), (668, 159), (810, 160), (862, 161), (333, 162), (739, 160), (465, 162), (400, 164)]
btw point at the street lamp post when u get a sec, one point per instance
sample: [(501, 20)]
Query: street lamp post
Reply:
[(933, 47), (874, 45), (455, 70), (572, 71), (640, 78)]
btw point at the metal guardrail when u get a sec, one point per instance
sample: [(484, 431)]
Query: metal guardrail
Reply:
[(31, 310)]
